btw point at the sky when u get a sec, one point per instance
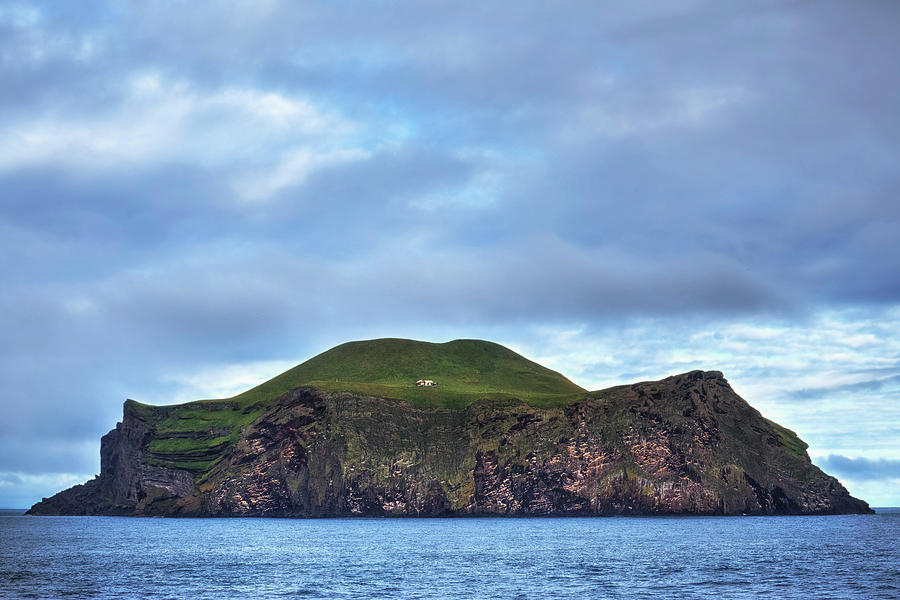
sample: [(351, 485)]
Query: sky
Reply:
[(195, 197)]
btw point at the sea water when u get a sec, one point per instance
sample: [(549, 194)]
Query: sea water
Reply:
[(685, 557)]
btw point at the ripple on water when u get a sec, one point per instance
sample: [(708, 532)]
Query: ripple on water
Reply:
[(211, 559)]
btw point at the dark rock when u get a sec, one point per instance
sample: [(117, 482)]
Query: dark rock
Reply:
[(684, 445)]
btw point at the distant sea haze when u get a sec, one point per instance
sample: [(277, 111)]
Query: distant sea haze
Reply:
[(851, 556)]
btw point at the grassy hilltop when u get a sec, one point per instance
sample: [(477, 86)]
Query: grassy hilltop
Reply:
[(191, 436), (465, 370)]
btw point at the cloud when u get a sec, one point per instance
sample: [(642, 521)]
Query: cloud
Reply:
[(292, 169), (221, 382), (51, 454), (10, 479), (189, 194), (867, 385), (860, 469), (21, 490), (683, 108), (156, 119)]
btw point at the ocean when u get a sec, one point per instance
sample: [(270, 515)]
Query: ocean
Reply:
[(517, 558)]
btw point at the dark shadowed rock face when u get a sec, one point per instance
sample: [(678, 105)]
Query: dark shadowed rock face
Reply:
[(684, 445)]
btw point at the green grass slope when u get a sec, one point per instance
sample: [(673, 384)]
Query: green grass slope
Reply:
[(190, 436), (465, 371)]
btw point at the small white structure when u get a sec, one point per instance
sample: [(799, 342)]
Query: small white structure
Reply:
[(425, 382)]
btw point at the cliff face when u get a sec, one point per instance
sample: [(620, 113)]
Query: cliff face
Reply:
[(684, 445)]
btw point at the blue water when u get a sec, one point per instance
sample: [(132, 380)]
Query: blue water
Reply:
[(711, 557)]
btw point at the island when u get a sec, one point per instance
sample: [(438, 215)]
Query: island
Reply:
[(354, 431)]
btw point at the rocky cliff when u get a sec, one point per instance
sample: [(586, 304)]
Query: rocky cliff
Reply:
[(684, 445)]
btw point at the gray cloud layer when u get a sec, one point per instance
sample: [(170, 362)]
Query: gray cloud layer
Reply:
[(867, 385), (184, 183), (860, 469)]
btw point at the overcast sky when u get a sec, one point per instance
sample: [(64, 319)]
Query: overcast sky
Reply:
[(193, 199)]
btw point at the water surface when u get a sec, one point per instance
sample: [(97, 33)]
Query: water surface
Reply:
[(679, 557)]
